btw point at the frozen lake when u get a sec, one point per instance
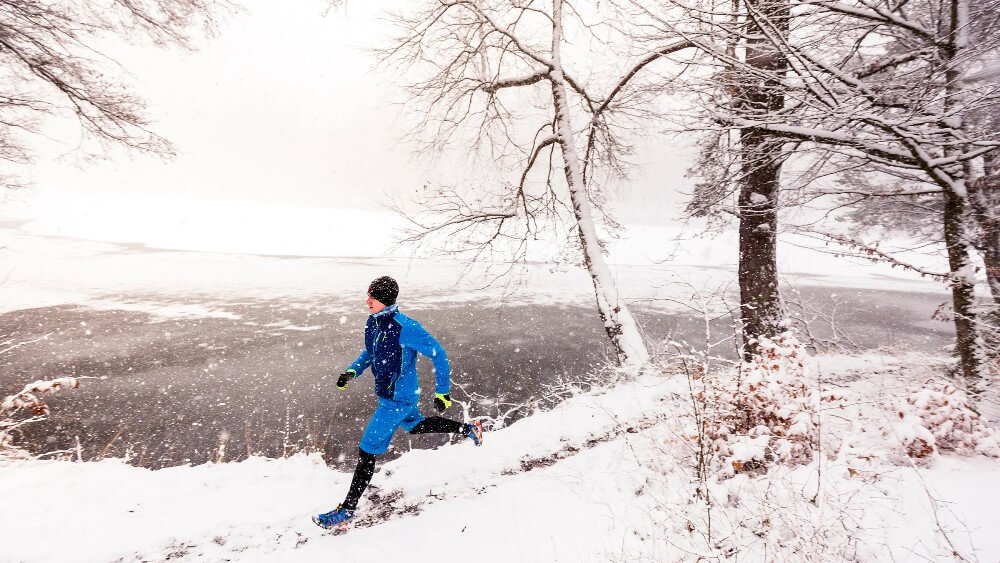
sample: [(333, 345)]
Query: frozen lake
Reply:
[(192, 348), (263, 373)]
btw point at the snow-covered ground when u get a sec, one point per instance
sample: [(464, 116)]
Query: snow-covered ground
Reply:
[(602, 477)]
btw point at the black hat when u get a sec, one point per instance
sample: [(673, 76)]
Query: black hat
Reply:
[(384, 290)]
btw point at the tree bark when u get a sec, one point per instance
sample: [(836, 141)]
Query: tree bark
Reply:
[(962, 289), (968, 344), (619, 323), (760, 301)]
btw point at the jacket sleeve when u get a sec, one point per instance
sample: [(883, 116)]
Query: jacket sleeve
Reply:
[(416, 337), (364, 360)]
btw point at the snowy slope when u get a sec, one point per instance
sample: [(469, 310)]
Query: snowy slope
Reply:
[(602, 477)]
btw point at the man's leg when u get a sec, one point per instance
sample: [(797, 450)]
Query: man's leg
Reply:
[(374, 442), (362, 476), (438, 424), (339, 518)]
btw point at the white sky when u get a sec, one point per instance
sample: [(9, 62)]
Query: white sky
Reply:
[(282, 107)]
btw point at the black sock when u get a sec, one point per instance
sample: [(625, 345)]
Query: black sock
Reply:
[(362, 476), (437, 424)]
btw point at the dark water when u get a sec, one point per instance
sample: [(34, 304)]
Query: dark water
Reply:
[(169, 392)]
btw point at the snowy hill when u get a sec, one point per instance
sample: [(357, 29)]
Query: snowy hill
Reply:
[(607, 476)]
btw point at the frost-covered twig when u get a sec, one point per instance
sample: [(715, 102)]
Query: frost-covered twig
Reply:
[(803, 314), (873, 253), (500, 410), (11, 347), (28, 399)]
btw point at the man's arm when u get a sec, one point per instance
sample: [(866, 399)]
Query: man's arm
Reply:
[(364, 360), (416, 337)]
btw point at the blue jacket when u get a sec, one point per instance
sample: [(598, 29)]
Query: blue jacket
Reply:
[(392, 341)]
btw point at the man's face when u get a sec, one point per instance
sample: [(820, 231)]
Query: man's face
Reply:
[(374, 305)]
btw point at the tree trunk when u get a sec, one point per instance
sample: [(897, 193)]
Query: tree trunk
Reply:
[(760, 302), (968, 343), (962, 289), (619, 324)]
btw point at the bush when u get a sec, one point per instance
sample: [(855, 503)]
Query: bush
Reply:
[(768, 413), (937, 417)]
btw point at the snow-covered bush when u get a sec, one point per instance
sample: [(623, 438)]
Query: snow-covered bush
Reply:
[(767, 414), (834, 486), (938, 418), (26, 407)]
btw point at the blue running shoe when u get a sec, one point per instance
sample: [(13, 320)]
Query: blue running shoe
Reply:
[(338, 519), (474, 430)]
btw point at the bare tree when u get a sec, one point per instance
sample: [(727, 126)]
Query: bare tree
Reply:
[(911, 106), (736, 70), (876, 86), (501, 71), (52, 65)]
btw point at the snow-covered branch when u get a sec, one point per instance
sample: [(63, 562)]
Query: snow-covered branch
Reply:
[(643, 63), (498, 85), (872, 13)]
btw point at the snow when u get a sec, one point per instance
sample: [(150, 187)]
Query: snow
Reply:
[(746, 448), (55, 266), (608, 476), (26, 399), (603, 476), (160, 311), (222, 226)]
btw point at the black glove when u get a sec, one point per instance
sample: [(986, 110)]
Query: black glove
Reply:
[(345, 377), (442, 401)]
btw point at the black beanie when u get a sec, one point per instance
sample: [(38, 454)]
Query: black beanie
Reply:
[(384, 290)]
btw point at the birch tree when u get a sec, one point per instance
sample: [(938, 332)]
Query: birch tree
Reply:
[(502, 70)]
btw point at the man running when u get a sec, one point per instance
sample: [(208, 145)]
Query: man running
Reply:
[(392, 341)]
